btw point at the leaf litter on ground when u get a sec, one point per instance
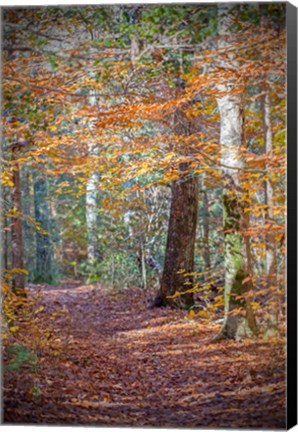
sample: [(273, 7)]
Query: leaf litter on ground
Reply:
[(109, 360)]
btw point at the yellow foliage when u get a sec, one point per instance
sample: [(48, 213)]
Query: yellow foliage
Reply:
[(6, 179), (191, 314), (177, 294), (17, 270), (203, 314), (38, 310)]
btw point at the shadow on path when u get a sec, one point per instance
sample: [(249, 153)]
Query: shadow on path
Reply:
[(111, 361)]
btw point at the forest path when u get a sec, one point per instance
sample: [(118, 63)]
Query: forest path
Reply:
[(108, 360)]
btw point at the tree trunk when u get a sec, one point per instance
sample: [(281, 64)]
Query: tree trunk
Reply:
[(18, 279), (269, 192), (5, 233), (91, 216), (178, 268), (143, 266), (206, 250), (92, 197), (271, 253), (271, 246), (238, 317), (5, 251), (43, 244), (28, 211), (181, 242)]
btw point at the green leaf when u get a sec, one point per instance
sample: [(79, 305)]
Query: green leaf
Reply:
[(19, 355), (53, 63)]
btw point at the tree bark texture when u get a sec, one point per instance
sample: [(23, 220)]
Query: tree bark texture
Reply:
[(269, 191), (6, 255), (271, 252), (181, 241), (5, 251), (238, 317), (178, 268), (91, 216), (92, 196), (206, 250)]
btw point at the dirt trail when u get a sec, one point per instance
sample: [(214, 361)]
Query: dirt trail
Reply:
[(112, 361)]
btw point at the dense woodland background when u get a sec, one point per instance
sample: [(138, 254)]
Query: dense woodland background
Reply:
[(143, 175)]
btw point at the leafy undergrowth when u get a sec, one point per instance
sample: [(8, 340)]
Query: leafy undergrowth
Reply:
[(105, 359)]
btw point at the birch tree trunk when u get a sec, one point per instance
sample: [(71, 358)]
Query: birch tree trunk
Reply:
[(91, 198), (236, 323), (269, 191), (271, 253), (143, 265), (91, 216)]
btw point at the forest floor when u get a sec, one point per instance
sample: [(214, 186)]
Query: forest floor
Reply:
[(104, 358)]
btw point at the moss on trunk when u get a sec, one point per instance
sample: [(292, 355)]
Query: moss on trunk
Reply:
[(239, 318)]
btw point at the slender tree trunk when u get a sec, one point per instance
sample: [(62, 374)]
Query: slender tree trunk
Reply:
[(91, 216), (28, 210), (5, 251), (269, 192), (206, 250), (143, 266), (238, 317), (134, 49), (43, 243), (92, 197), (18, 280), (271, 246), (5, 233), (271, 253), (113, 271)]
